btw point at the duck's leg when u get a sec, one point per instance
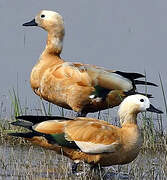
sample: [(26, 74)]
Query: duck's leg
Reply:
[(74, 167), (81, 114), (97, 169)]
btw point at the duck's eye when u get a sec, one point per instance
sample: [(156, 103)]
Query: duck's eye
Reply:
[(42, 16), (141, 100)]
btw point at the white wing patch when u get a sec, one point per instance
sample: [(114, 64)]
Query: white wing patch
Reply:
[(89, 147)]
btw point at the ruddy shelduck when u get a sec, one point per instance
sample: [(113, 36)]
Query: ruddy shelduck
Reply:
[(81, 87), (91, 140)]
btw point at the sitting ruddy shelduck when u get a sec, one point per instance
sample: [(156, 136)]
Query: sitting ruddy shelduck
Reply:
[(81, 87), (90, 140)]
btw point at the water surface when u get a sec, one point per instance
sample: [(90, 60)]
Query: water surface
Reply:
[(31, 162)]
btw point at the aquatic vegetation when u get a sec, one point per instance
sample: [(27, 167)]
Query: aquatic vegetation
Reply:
[(20, 160)]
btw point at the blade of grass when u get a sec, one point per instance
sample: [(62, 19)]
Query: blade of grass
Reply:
[(49, 109), (43, 107), (163, 93), (15, 103)]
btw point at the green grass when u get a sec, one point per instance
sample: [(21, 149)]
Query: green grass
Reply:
[(15, 103)]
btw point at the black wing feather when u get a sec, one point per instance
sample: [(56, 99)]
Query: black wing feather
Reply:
[(37, 119)]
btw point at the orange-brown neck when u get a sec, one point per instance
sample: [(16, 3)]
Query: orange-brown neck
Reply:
[(128, 113), (54, 42), (128, 118)]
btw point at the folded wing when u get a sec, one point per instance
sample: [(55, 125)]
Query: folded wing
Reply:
[(90, 136), (86, 134), (89, 75)]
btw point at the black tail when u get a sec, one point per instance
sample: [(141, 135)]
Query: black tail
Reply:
[(134, 76), (132, 93), (38, 119), (33, 133), (24, 135), (28, 121), (49, 138), (144, 83), (24, 124), (130, 76)]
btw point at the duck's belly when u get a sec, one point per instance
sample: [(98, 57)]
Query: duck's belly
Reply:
[(117, 158), (65, 93), (104, 159), (70, 95)]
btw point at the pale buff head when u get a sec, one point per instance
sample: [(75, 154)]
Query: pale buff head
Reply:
[(132, 105), (49, 20), (53, 23)]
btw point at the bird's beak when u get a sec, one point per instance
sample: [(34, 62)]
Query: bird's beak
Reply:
[(153, 109), (31, 23)]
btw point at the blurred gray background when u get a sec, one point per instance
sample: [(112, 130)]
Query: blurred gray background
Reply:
[(126, 35)]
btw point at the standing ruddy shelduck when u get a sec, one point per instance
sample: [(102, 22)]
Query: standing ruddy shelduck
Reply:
[(81, 87), (90, 140)]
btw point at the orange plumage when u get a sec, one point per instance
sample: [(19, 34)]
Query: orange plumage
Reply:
[(91, 140), (81, 87)]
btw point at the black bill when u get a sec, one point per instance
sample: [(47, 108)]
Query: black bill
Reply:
[(31, 23), (153, 109)]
